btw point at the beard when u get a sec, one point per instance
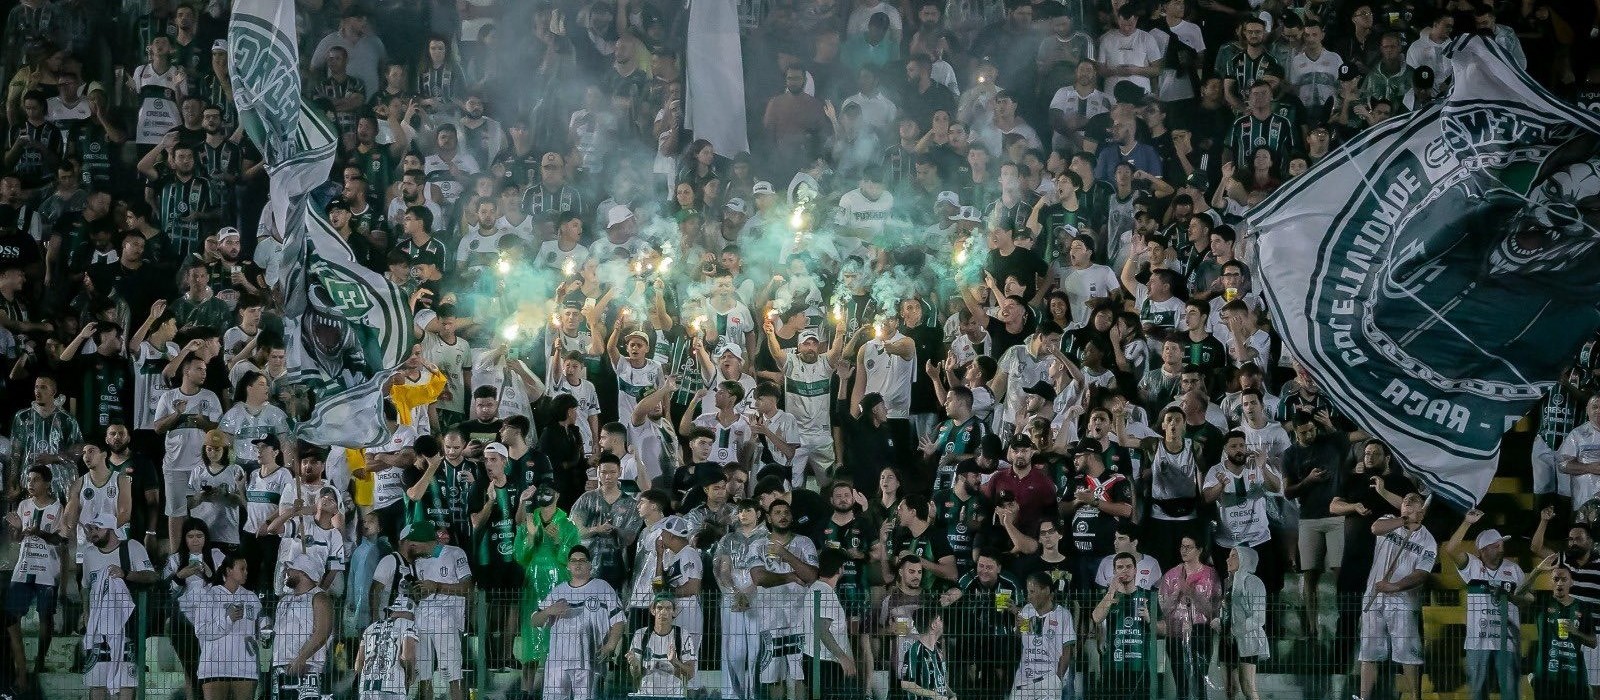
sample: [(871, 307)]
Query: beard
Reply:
[(777, 530), (846, 508), (1238, 459)]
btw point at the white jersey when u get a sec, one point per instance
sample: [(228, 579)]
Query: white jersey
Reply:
[(383, 669), (1022, 370), (1400, 552), (1044, 637), (1243, 505), (228, 646), (246, 427), (1316, 79), (782, 606), (658, 677), (678, 569), (1582, 444), (867, 215), (293, 621), (889, 375), (301, 535), (728, 439), (158, 95), (588, 407), (95, 500), (452, 360), (184, 440), (1174, 475), (220, 516), (577, 636), (1093, 282), (806, 390), (149, 383), (782, 424), (439, 612), (708, 403), (262, 493), (1488, 594), (633, 383), (551, 255), (38, 562)]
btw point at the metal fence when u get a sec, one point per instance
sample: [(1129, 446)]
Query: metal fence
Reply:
[(987, 643)]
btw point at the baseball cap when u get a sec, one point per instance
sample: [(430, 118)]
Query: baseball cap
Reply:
[(676, 525), (336, 203), (737, 204), (545, 496), (967, 214), (217, 438), (762, 187), (1348, 72), (809, 334), (270, 440), (617, 215), (948, 197), (420, 531), (402, 604), (496, 448), (636, 334), (731, 347), (308, 565), (1043, 390), (94, 86), (1423, 77), (1080, 447), (227, 232), (1490, 537), (219, 45), (104, 521)]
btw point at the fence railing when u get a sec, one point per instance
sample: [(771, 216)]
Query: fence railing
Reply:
[(983, 644)]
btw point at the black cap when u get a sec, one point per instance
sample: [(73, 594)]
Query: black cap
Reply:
[(271, 440), (545, 496), (1128, 92), (1080, 447), (337, 203), (1422, 77), (1348, 71), (1020, 440), (1043, 390)]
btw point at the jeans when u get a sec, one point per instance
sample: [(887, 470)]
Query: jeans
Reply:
[(1505, 669)]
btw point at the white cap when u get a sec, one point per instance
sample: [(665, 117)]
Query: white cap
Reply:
[(308, 565), (731, 347), (736, 204), (948, 197), (227, 232), (617, 215), (762, 187), (967, 214), (809, 334), (495, 448), (104, 521), (1490, 537), (402, 604), (676, 525)]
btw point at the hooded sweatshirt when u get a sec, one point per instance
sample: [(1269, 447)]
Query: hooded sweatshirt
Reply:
[(1246, 609)]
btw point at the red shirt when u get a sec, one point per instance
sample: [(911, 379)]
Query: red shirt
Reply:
[(1035, 494)]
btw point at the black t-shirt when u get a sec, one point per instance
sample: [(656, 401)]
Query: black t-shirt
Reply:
[(146, 477), (1022, 263), (1359, 541), (482, 431), (1093, 531), (1002, 340), (930, 346), (867, 450), (493, 543), (1060, 572)]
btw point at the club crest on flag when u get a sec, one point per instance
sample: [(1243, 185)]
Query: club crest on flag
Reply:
[(1434, 275)]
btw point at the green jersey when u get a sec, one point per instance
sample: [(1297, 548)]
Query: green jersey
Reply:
[(925, 666), (1130, 640), (1558, 658)]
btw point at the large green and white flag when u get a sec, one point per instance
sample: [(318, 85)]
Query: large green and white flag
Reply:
[(346, 327), (1434, 275)]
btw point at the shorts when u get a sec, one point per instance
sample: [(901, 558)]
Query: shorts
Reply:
[(177, 493), (780, 659), (110, 661), (439, 653), (23, 595), (1391, 634), (1321, 543), (568, 680)]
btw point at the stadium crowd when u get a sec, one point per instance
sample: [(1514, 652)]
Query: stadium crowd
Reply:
[(953, 385)]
